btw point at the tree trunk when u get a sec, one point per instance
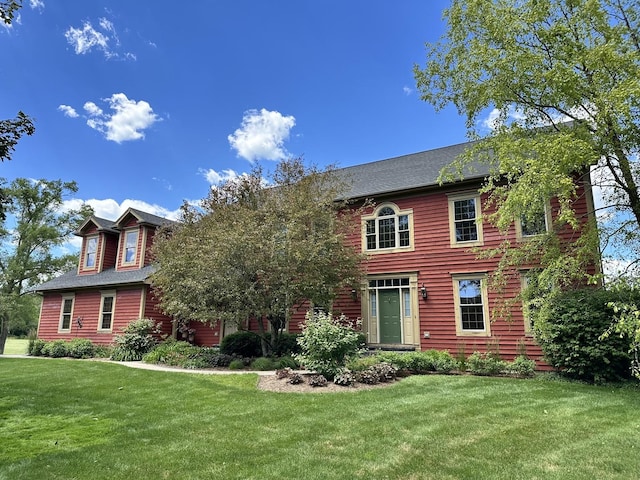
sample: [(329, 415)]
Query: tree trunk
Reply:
[(4, 331)]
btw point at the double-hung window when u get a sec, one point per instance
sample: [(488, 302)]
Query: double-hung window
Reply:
[(66, 313), (464, 220), (107, 307), (470, 297), (130, 247), (388, 229), (91, 252), (534, 223)]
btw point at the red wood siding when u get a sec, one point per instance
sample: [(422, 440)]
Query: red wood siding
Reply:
[(110, 251), (152, 311), (435, 261), (150, 234), (87, 305)]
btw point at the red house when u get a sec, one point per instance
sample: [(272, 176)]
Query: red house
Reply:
[(425, 288), (110, 287)]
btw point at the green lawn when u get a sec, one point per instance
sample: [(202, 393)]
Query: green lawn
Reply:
[(15, 346), (70, 419)]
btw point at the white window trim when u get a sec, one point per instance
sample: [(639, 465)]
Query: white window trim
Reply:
[(374, 216), (124, 246), (103, 294), (86, 253), (452, 222), (486, 332), (547, 223), (71, 297)]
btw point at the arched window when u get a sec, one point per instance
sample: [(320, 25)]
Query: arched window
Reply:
[(388, 228)]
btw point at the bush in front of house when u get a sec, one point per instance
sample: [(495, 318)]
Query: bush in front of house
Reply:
[(137, 338), (263, 363), (241, 344), (56, 349), (485, 364), (36, 347), (569, 327), (81, 348), (521, 367), (328, 343)]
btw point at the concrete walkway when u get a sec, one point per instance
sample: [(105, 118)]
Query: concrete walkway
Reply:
[(158, 368)]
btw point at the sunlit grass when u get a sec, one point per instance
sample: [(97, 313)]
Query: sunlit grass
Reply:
[(16, 346), (80, 419)]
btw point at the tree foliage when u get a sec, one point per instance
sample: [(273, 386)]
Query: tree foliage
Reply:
[(36, 224), (562, 78), (258, 250), (8, 9)]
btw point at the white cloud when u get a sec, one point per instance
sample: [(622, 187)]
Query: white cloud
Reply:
[(407, 90), (68, 111), (85, 38), (215, 178), (88, 37), (36, 4), (262, 135), (128, 122)]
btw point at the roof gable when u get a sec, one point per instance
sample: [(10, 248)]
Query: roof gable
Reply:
[(142, 218), (100, 224)]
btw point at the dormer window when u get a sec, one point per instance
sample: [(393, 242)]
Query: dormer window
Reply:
[(91, 252), (388, 229), (130, 247)]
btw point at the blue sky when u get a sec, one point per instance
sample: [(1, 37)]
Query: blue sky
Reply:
[(147, 104)]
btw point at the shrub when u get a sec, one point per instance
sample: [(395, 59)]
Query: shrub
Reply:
[(283, 373), (136, 340), (81, 348), (368, 376), (419, 362), (286, 362), (286, 345), (522, 366), (485, 364), (103, 351), (236, 364), (220, 359), (385, 371), (36, 347), (568, 328), (362, 363), (395, 358), (327, 343), (263, 363), (443, 362), (317, 381), (56, 349), (241, 344), (171, 353), (345, 378), (296, 379)]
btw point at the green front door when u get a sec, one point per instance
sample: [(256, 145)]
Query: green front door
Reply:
[(389, 305)]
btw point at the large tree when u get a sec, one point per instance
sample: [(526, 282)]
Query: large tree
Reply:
[(559, 81), (35, 226), (13, 129), (257, 249)]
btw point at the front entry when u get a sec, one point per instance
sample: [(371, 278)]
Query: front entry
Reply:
[(390, 320)]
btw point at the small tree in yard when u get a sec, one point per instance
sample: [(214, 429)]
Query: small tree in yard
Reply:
[(328, 343), (258, 250)]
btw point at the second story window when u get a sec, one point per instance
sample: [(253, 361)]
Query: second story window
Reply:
[(91, 252), (464, 220), (537, 223), (130, 246), (388, 229)]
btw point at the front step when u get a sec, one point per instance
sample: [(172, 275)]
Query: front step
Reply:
[(391, 347)]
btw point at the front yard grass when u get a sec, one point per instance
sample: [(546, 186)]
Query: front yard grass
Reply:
[(16, 346), (70, 419)]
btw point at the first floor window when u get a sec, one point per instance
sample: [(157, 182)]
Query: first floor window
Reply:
[(471, 305), (106, 311), (66, 313)]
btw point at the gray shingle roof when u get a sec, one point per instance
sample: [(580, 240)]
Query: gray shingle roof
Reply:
[(108, 278), (146, 218), (407, 172)]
